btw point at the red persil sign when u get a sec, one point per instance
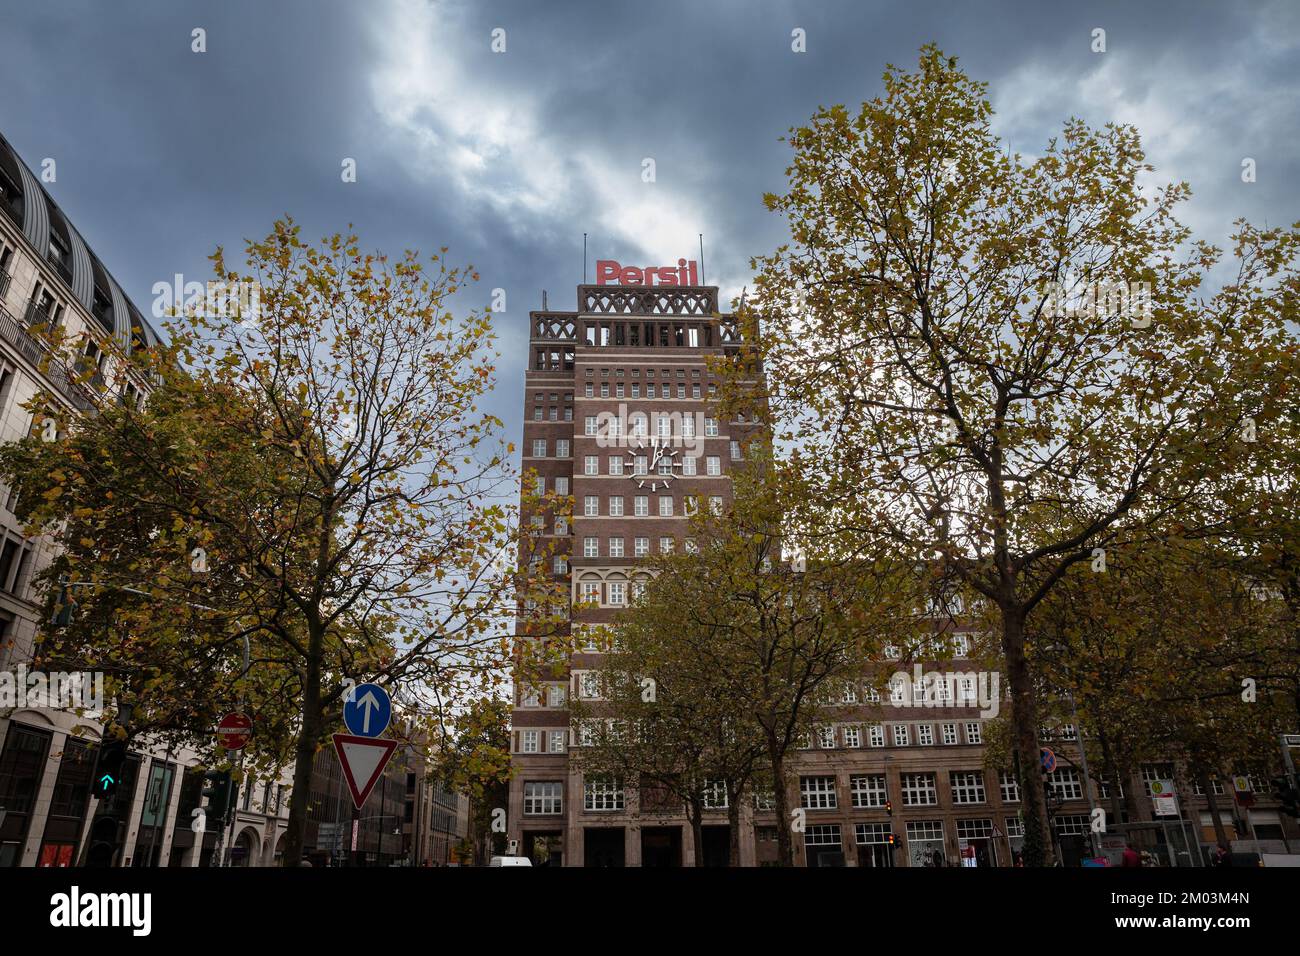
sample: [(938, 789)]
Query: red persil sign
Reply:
[(684, 273)]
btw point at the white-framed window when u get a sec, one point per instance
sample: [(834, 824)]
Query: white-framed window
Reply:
[(615, 425), (925, 734), (869, 833), (666, 544), (539, 447), (852, 737), (919, 790), (688, 466), (602, 794), (641, 506), (818, 793), (591, 506), (587, 733), (826, 738), (960, 645), (1071, 824), (640, 547), (681, 386), (1151, 772), (1009, 786), (530, 741), (556, 695), (591, 547), (562, 485), (822, 834), (710, 428), (591, 465), (616, 506), (735, 451), (974, 733), (618, 390), (590, 425), (562, 526), (539, 485), (713, 466), (868, 790), (636, 389), (588, 685), (618, 591), (897, 691), (949, 734), (715, 504), (901, 735), (590, 592), (688, 426), (537, 413), (967, 786), (695, 386), (871, 694), (616, 464), (974, 829), (638, 425), (1065, 781), (561, 448), (558, 741), (560, 564), (715, 795), (616, 547), (665, 426), (689, 545), (530, 697), (764, 800), (638, 589), (543, 796), (590, 390), (876, 735), (665, 506)]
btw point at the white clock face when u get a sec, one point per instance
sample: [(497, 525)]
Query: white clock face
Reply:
[(659, 462)]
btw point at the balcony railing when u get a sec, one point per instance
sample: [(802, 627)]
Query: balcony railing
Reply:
[(34, 350), (4, 282)]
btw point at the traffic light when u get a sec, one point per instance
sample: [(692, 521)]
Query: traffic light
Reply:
[(1286, 791), (890, 838), (63, 608), (889, 807), (220, 790), (103, 841), (108, 769)]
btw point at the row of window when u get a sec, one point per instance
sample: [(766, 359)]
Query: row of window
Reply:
[(611, 425), (870, 791), (903, 735), (665, 505), (928, 831), (665, 390)]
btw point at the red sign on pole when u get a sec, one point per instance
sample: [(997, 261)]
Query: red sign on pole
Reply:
[(234, 731), (363, 760)]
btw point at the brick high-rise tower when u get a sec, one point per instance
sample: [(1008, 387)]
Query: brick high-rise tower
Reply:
[(620, 413)]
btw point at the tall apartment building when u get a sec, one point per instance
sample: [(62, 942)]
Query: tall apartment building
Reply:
[(618, 414), (49, 277)]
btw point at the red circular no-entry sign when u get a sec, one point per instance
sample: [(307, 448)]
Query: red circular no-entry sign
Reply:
[(234, 731)]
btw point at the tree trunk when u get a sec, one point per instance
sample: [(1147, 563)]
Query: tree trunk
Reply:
[(695, 813), (733, 826), (1203, 779), (305, 755), (784, 845), (1113, 778), (1024, 725)]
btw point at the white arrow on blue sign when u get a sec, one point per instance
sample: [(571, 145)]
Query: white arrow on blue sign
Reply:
[(367, 711)]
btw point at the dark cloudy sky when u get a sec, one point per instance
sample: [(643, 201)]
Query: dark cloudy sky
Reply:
[(508, 158)]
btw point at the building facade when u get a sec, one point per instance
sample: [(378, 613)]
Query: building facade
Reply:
[(620, 415)]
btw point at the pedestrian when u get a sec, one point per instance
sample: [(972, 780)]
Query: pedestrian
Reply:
[(1131, 856), (1222, 855)]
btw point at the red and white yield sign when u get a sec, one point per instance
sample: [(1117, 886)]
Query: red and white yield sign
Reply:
[(234, 731), (363, 760)]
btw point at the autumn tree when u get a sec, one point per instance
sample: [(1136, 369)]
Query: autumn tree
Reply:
[(473, 758), (1002, 364), (331, 462)]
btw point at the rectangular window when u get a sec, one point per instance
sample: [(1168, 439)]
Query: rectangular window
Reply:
[(925, 734), (560, 564), (640, 465), (710, 428), (868, 790), (562, 526), (590, 465), (666, 545), (901, 736), (562, 485), (712, 465), (919, 790), (871, 833), (640, 547), (543, 797), (641, 506), (735, 451), (817, 793), (665, 426), (591, 506), (530, 740), (967, 786), (688, 426), (1010, 787), (665, 506), (688, 465), (617, 591), (556, 695), (876, 735), (973, 733), (539, 485), (949, 733), (591, 425), (852, 736), (616, 506), (539, 447), (715, 504), (602, 794), (1065, 782), (590, 592), (558, 741), (826, 738), (591, 547), (590, 390), (616, 548), (616, 464)]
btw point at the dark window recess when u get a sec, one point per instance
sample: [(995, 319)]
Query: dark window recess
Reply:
[(11, 198), (59, 256), (103, 309)]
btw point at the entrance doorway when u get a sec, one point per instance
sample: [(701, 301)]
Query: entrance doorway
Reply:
[(661, 846), (717, 846), (602, 846)]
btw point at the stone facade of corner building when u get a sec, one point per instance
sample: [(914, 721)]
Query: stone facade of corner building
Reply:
[(615, 356)]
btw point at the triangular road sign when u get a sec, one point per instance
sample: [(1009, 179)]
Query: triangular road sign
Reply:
[(363, 760)]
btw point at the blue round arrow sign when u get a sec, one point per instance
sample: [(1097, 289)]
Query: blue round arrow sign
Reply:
[(367, 711)]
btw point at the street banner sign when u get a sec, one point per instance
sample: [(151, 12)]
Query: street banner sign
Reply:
[(234, 731), (1243, 791), (367, 710), (1048, 758), (363, 760), (1164, 798)]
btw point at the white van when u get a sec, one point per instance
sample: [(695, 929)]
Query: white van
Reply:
[(510, 861)]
